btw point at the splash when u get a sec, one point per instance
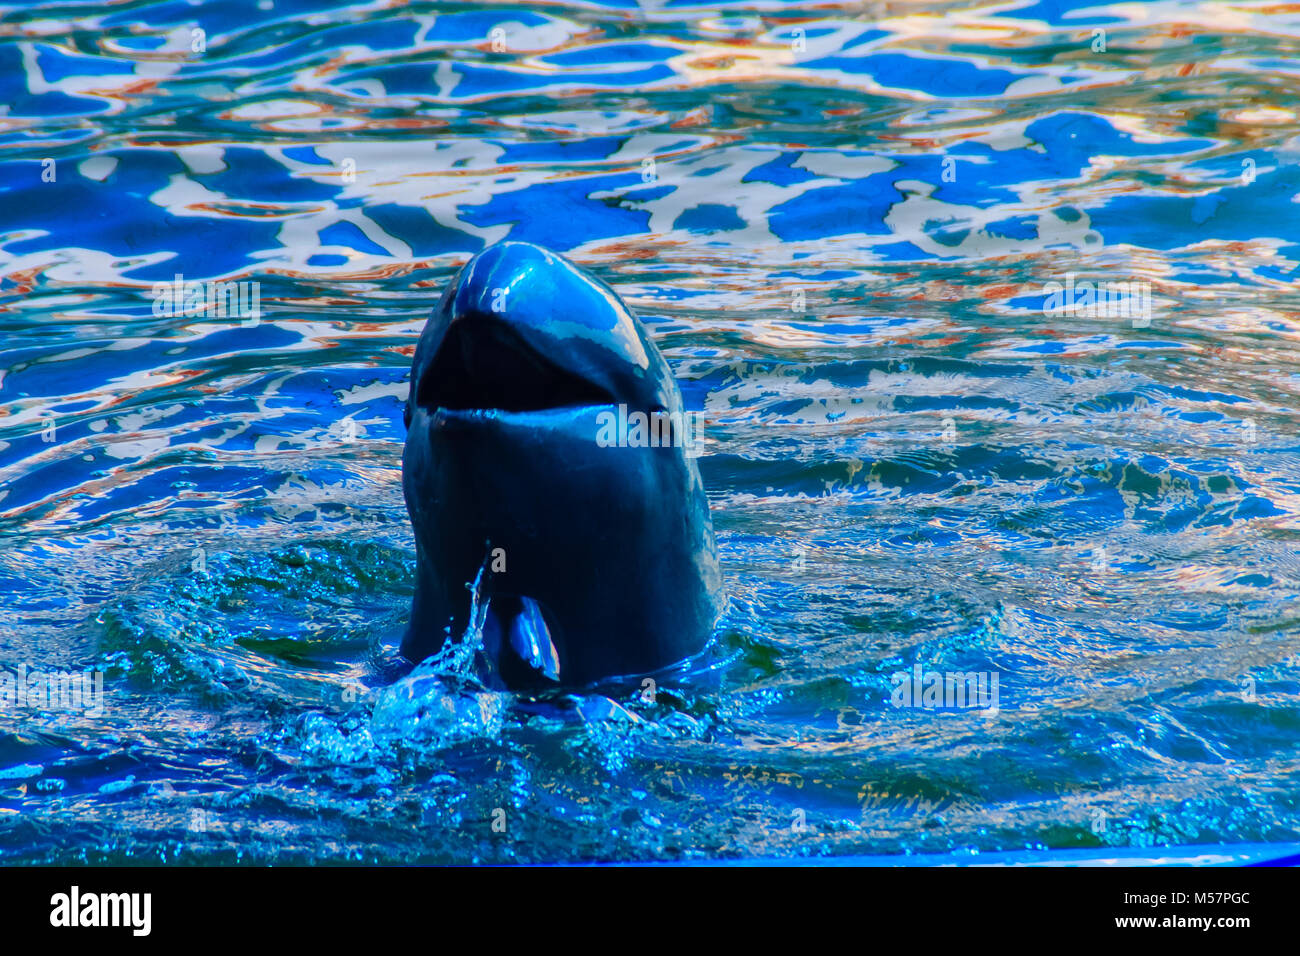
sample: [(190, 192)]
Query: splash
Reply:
[(437, 704)]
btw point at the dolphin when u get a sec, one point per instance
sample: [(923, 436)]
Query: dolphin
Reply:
[(550, 479)]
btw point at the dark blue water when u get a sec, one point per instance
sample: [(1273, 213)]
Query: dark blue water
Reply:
[(841, 225)]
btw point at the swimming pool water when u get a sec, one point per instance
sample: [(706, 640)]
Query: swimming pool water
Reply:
[(862, 234)]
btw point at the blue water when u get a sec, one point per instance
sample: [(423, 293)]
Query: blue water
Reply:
[(842, 239)]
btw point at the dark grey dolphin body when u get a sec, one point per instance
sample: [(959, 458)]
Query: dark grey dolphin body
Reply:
[(592, 547)]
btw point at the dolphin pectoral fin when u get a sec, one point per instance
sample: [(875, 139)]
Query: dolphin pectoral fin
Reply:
[(530, 639)]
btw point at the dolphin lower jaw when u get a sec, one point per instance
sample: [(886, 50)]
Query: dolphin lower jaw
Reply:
[(579, 423), (594, 537)]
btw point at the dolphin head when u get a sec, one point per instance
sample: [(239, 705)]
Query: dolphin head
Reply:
[(593, 555), (522, 329)]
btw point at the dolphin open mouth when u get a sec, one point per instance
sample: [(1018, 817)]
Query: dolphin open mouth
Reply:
[(484, 364)]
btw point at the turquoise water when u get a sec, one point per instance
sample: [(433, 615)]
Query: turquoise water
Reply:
[(841, 224)]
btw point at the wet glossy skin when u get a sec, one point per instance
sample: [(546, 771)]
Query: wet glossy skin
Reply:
[(607, 566)]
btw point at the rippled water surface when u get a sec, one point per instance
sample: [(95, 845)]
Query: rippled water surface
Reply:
[(838, 221)]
